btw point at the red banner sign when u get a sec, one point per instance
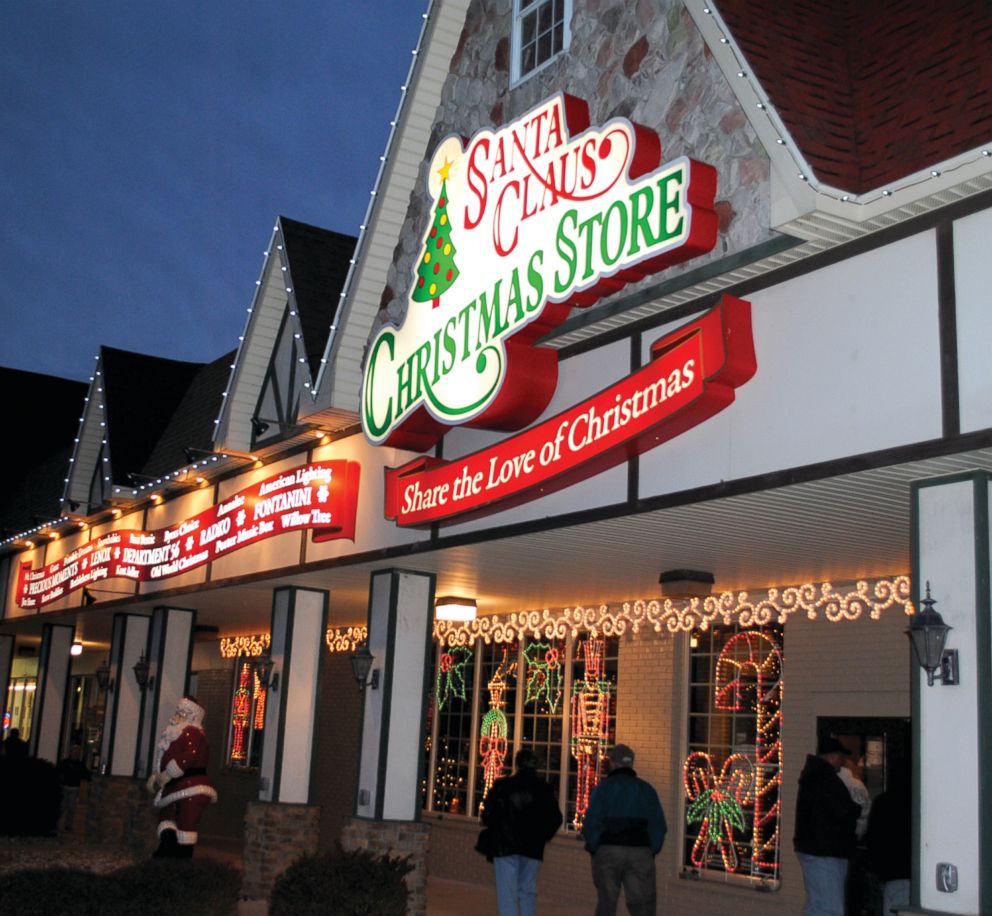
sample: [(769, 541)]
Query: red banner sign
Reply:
[(322, 497), (691, 376)]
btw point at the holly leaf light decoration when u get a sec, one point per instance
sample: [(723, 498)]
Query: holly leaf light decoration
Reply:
[(716, 803), (544, 672), (451, 674)]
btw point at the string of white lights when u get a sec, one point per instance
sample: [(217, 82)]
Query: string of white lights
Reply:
[(869, 598)]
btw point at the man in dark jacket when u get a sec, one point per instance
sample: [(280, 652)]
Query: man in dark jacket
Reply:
[(521, 815), (889, 837), (624, 830), (826, 818)]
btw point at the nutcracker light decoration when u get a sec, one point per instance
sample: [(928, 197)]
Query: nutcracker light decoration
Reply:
[(591, 723), (493, 740)]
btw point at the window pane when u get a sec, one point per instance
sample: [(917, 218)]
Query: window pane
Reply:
[(247, 721), (544, 47), (733, 773), (496, 711), (544, 676), (593, 715), (452, 704), (540, 31)]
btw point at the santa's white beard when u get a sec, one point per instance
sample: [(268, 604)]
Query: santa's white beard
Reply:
[(169, 734)]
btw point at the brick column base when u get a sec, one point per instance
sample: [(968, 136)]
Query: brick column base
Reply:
[(276, 835), (120, 813), (395, 838)]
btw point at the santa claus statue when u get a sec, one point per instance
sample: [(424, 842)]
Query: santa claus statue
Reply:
[(179, 780)]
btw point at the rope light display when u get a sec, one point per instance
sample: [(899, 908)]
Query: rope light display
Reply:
[(590, 721), (863, 598), (737, 810), (338, 639), (251, 646), (451, 675), (345, 639), (494, 733), (545, 667)]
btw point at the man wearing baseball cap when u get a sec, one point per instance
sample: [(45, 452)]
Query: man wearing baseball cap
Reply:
[(624, 829), (825, 829)]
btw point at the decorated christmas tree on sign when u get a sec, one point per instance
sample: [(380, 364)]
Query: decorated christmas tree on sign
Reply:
[(437, 271)]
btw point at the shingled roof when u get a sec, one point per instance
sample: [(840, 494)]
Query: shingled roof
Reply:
[(142, 393), (44, 413), (872, 91), (318, 260), (192, 422)]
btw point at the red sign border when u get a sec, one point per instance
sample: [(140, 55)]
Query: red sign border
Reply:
[(727, 361)]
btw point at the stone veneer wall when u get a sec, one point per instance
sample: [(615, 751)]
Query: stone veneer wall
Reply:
[(275, 836), (119, 812), (395, 838), (640, 59), (335, 759)]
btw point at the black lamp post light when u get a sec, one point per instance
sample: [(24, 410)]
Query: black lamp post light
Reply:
[(141, 667), (928, 634), (103, 676), (361, 663)]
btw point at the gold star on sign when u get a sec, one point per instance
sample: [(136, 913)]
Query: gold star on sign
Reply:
[(445, 170)]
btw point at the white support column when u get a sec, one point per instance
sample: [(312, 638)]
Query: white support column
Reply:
[(952, 725), (6, 665), (401, 613), (52, 691), (169, 654), (123, 716), (299, 619)]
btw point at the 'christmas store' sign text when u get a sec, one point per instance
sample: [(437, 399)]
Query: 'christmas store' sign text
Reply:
[(529, 220)]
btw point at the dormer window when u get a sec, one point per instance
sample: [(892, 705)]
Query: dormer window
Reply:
[(540, 33)]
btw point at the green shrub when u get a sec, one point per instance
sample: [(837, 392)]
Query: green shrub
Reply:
[(163, 887), (178, 887), (354, 883), (58, 892)]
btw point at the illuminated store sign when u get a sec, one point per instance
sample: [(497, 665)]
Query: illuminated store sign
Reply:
[(321, 497), (529, 220), (691, 376)]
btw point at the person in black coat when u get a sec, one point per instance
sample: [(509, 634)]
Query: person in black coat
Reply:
[(520, 815), (824, 840), (889, 837)]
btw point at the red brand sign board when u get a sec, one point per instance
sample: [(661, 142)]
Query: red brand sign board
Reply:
[(322, 497), (691, 376), (529, 219)]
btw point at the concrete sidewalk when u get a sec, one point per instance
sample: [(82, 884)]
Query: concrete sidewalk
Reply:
[(447, 898)]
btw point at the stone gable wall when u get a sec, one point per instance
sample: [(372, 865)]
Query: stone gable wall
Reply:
[(642, 60)]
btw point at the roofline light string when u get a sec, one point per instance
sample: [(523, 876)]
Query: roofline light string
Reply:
[(356, 257)]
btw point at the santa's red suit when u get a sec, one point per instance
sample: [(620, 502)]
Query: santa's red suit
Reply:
[(180, 778)]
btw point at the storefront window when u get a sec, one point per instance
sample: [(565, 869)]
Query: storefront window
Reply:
[(592, 722), (452, 708), (540, 31), (733, 772), (247, 716), (20, 705), (541, 719), (556, 697), (497, 712)]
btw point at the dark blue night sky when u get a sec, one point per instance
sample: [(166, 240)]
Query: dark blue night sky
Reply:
[(146, 148)]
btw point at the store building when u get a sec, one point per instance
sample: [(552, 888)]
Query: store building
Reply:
[(663, 348)]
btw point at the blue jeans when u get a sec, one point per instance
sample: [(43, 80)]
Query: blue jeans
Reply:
[(825, 878), (895, 894), (516, 883)]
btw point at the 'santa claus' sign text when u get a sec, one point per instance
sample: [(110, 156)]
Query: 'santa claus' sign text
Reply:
[(528, 220)]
